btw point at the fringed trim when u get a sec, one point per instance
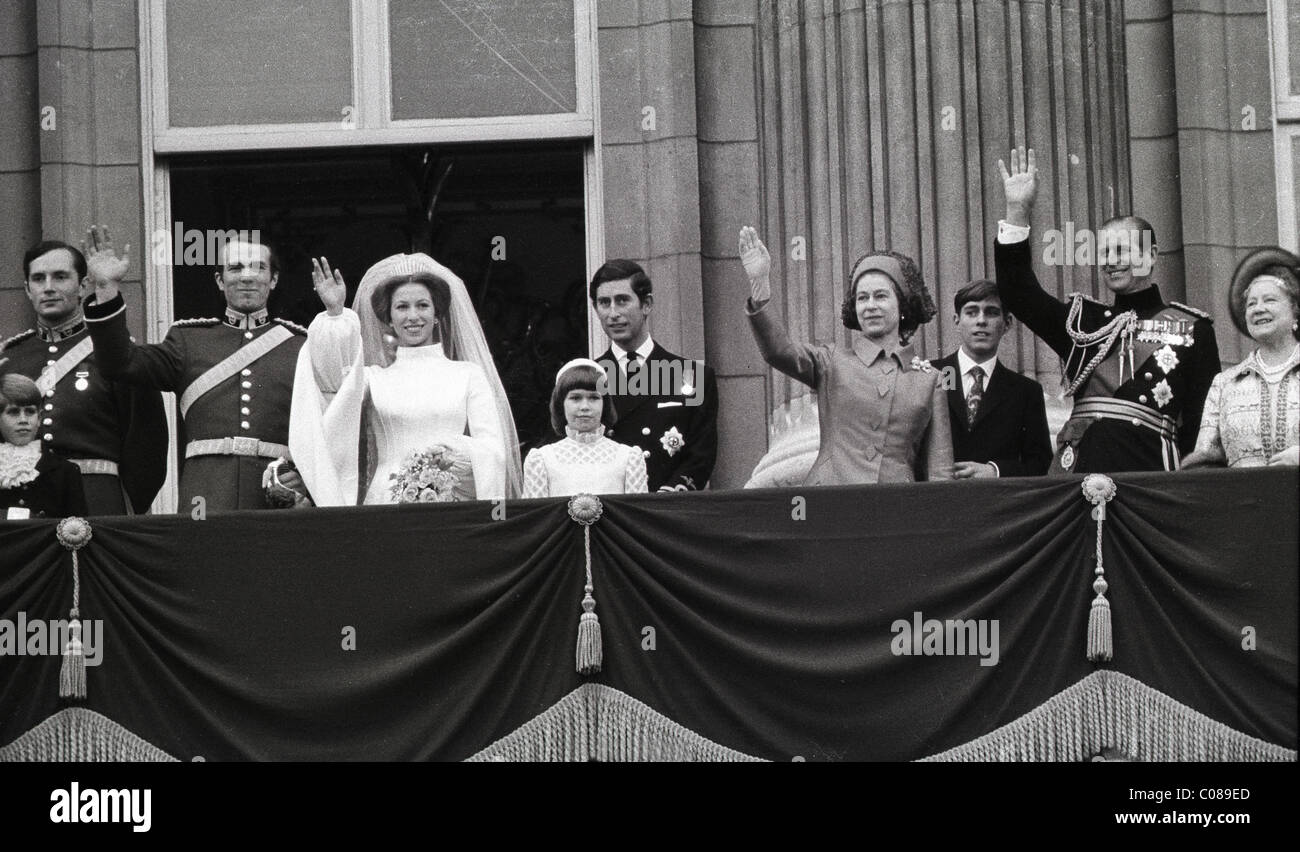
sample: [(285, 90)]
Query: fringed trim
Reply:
[(76, 734), (1108, 710), (598, 722)]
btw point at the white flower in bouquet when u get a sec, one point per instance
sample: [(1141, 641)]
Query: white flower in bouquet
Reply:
[(425, 477)]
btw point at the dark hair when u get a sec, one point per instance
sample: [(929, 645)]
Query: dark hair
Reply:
[(581, 377), (1133, 223), (915, 307), (45, 247), (617, 270), (1290, 279), (17, 389), (272, 256), (381, 300), (977, 291)]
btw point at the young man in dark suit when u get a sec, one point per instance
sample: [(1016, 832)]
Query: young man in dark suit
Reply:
[(665, 404), (998, 417)]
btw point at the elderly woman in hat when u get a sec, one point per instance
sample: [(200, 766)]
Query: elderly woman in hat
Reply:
[(1252, 412), (883, 412)]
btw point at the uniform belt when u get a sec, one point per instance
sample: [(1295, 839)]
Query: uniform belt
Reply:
[(241, 446), (1109, 408), (103, 466)]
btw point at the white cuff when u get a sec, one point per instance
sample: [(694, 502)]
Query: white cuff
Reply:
[(1009, 233)]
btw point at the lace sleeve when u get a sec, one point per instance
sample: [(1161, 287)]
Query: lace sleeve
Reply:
[(536, 482), (634, 474)]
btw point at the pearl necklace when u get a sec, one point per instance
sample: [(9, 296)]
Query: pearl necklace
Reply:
[(1274, 374)]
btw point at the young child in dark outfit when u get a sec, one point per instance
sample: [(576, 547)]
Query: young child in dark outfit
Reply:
[(34, 483)]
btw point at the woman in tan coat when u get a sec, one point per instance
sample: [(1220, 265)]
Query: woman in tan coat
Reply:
[(883, 410)]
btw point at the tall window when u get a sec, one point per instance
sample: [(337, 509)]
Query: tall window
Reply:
[(313, 73), (361, 128)]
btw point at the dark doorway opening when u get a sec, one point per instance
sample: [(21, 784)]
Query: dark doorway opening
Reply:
[(508, 219)]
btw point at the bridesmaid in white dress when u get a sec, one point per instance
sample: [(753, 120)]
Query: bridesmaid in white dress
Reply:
[(407, 371), (585, 461)]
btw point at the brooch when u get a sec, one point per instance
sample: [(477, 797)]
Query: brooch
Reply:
[(1162, 393), (672, 441), (1166, 358)]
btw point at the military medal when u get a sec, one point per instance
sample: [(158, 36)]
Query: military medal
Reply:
[(81, 383), (1067, 457)]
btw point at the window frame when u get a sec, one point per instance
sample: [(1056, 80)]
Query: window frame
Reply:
[(371, 122), (1286, 125), (374, 127)]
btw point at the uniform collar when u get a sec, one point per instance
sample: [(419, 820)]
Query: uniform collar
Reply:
[(243, 321), (1141, 301), (71, 328)]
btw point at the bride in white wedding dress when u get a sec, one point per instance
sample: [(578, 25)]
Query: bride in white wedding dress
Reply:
[(407, 371)]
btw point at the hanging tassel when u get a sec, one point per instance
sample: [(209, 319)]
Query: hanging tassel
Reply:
[(1099, 489), (72, 674), (590, 651), (586, 509), (1100, 645), (73, 533)]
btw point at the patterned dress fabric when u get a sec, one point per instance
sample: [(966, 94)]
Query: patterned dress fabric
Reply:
[(1247, 418), (584, 462)]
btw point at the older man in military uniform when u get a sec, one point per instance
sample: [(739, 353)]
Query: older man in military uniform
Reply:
[(233, 375), (1139, 369), (115, 433)]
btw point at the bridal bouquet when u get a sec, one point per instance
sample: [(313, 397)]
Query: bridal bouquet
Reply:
[(429, 476)]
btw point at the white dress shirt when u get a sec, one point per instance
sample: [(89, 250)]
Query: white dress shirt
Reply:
[(1009, 233), (965, 363), (644, 350)]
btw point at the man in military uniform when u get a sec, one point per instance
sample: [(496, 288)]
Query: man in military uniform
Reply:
[(115, 433), (1139, 369), (233, 376), (666, 405)]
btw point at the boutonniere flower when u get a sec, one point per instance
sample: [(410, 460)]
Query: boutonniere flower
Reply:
[(1167, 359), (672, 441), (919, 363)]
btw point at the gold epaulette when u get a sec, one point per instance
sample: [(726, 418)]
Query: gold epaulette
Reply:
[(17, 338), (1196, 312), (292, 326)]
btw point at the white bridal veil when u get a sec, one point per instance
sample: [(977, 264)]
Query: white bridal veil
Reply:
[(326, 440)]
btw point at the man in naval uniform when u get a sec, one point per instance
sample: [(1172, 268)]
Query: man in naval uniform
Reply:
[(665, 405), (1138, 369), (233, 376), (114, 432)]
